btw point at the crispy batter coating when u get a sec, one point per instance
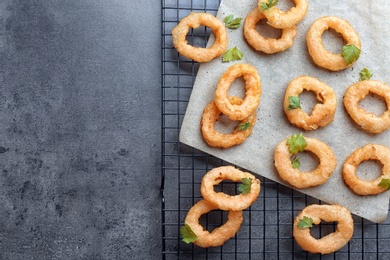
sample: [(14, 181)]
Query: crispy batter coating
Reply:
[(331, 242), (219, 235), (266, 45), (322, 114), (216, 139), (300, 179), (368, 121), (320, 55), (280, 19), (195, 20), (367, 152), (223, 200), (253, 91)]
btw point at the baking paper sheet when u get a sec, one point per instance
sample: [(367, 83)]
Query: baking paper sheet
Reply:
[(369, 18)]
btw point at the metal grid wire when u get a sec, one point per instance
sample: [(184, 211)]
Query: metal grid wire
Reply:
[(266, 232)]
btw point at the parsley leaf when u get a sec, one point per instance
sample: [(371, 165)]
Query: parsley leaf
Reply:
[(243, 126), (245, 186), (296, 143), (231, 22), (294, 103), (295, 162), (232, 54), (305, 222), (188, 236), (268, 5), (365, 74), (350, 53), (385, 183)]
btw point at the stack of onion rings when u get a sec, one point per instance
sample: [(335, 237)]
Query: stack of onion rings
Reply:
[(212, 201), (331, 242), (266, 45), (322, 113), (216, 139), (279, 19), (299, 179), (368, 121), (233, 107), (320, 55), (367, 152), (194, 20)]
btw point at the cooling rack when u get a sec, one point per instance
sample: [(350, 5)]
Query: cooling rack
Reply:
[(266, 232)]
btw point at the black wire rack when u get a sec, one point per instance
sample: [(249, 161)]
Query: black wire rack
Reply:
[(266, 232)]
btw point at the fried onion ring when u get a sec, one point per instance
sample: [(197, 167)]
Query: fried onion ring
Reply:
[(216, 139), (320, 55), (266, 45), (368, 152), (253, 91), (300, 179), (368, 121), (219, 235), (322, 114), (331, 242), (195, 20), (280, 19), (223, 200)]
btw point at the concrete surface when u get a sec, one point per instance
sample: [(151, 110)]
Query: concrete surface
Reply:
[(80, 129)]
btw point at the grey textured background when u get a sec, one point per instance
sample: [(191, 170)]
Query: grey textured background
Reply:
[(80, 129)]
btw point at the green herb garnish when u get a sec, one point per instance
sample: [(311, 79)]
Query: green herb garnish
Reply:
[(232, 54), (350, 53), (294, 103), (188, 236), (296, 143), (305, 222), (245, 186), (231, 22), (365, 74), (295, 162), (268, 5), (385, 183), (243, 126)]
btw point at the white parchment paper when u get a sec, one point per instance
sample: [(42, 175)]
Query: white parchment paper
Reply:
[(369, 18)]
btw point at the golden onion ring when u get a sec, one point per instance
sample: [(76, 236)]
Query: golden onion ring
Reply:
[(253, 91), (368, 152), (195, 20), (300, 179), (266, 45), (223, 200), (320, 55), (368, 121), (331, 242), (216, 139), (219, 235), (322, 114), (280, 19)]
